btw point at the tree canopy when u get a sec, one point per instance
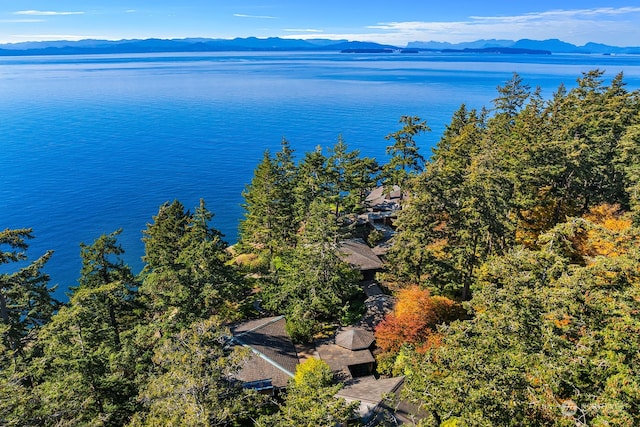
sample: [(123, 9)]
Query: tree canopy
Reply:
[(513, 266)]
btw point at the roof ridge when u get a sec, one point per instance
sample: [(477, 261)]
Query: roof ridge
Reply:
[(267, 358), (271, 321)]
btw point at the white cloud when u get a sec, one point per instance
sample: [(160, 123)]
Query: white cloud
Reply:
[(130, 11), (606, 25), (242, 15), (560, 14), (45, 13)]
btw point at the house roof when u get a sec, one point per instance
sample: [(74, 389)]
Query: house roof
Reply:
[(369, 392), (357, 253), (255, 368), (274, 355), (354, 338), (339, 358), (378, 200), (377, 307)]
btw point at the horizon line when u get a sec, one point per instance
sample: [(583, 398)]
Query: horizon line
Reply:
[(77, 39)]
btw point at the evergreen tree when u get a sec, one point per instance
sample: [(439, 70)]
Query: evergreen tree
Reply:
[(288, 175), (629, 162), (405, 159), (26, 301), (164, 238), (26, 306), (313, 182), (84, 376), (102, 265), (257, 229), (567, 153), (269, 223), (193, 385), (350, 177), (551, 342), (187, 275), (458, 212), (511, 98), (314, 284)]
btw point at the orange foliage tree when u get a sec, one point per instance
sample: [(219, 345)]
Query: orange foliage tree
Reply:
[(414, 319), (606, 233)]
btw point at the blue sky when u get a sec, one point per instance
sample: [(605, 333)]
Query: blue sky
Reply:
[(394, 22)]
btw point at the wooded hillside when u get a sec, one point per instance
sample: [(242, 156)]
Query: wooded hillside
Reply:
[(515, 265)]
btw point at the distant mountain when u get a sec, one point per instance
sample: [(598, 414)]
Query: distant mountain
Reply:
[(182, 45), (360, 46), (501, 50), (478, 44), (325, 42), (551, 45), (90, 46)]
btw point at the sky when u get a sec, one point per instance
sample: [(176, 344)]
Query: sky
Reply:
[(396, 22)]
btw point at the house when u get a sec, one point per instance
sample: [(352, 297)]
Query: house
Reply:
[(377, 307), (371, 393), (349, 353), (360, 256), (381, 200), (382, 209), (273, 357)]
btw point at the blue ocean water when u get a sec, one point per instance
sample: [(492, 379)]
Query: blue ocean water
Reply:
[(90, 144)]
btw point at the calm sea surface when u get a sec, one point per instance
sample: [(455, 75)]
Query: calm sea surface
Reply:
[(90, 144)]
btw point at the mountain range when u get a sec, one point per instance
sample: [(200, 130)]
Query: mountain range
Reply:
[(551, 45), (90, 46)]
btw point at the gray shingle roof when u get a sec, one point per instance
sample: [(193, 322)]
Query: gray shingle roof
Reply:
[(339, 358), (358, 254), (370, 392), (274, 355), (354, 338), (378, 200)]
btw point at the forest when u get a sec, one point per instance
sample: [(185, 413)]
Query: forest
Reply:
[(514, 267)]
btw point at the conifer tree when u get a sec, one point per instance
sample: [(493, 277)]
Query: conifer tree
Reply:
[(269, 222), (314, 284), (193, 385), (405, 160), (83, 372), (312, 182), (26, 301), (26, 306), (187, 276), (350, 177), (458, 212), (553, 339)]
